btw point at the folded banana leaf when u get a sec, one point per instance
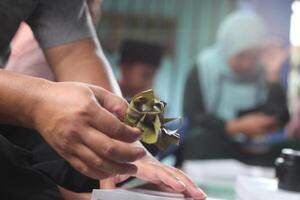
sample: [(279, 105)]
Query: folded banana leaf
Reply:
[(147, 113)]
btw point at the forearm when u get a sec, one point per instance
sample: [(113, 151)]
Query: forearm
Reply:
[(82, 61), (19, 95)]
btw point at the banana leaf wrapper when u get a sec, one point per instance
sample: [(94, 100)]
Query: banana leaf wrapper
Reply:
[(147, 113)]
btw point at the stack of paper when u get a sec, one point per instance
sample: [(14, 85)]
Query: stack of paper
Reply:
[(136, 194)]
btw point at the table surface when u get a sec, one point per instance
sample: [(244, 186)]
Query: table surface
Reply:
[(218, 177)]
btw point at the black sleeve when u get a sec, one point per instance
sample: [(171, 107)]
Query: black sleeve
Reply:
[(193, 108), (276, 103)]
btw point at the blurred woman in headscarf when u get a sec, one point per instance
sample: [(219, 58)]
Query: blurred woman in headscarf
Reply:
[(233, 96)]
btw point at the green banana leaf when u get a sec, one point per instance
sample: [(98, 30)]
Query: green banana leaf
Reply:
[(146, 112)]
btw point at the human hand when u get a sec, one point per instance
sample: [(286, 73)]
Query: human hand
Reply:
[(272, 59), (78, 121), (252, 124), (167, 178)]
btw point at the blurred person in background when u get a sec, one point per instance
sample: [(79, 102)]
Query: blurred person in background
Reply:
[(233, 96), (139, 62)]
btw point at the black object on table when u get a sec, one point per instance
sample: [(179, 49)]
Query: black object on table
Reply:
[(288, 170)]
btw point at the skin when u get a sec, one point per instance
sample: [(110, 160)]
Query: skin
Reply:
[(271, 58), (82, 121), (136, 78), (84, 132), (243, 62)]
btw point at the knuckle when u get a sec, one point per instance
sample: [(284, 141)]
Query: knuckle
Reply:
[(82, 169), (77, 165), (118, 129), (86, 107), (124, 103), (99, 163), (65, 144), (118, 104), (109, 150)]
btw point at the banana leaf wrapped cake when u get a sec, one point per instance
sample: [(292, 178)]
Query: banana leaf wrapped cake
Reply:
[(146, 112)]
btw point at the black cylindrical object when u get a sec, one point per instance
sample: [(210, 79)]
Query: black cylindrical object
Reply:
[(288, 170)]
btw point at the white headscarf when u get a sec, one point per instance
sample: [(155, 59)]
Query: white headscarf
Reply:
[(225, 93)]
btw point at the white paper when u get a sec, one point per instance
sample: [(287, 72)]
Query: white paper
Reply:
[(136, 194)]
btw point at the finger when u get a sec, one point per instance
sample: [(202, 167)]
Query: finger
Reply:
[(165, 188), (109, 124), (81, 167), (191, 188), (121, 178), (111, 149), (110, 101), (170, 180), (108, 183), (100, 93), (92, 160)]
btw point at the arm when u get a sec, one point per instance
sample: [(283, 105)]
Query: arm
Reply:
[(18, 96), (82, 61)]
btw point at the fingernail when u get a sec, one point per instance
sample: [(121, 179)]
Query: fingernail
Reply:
[(140, 129), (137, 134), (199, 194)]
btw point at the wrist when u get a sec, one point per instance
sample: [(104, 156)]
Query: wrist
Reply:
[(20, 94), (38, 97)]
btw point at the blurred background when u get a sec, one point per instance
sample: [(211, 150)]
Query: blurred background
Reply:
[(228, 68), (217, 147), (184, 28)]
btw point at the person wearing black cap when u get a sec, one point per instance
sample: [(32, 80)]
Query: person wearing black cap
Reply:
[(139, 62)]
